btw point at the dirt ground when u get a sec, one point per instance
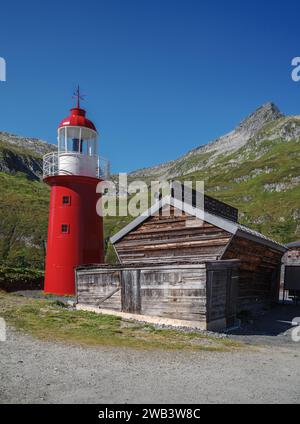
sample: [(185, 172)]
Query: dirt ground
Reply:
[(34, 371)]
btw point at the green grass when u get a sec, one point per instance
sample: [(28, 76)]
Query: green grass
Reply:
[(53, 321), (23, 220)]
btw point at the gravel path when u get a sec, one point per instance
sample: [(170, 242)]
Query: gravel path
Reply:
[(34, 371)]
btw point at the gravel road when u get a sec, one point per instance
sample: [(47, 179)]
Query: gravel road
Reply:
[(34, 371)]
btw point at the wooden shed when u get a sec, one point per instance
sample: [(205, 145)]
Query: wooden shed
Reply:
[(202, 293), (291, 274), (292, 255), (182, 261)]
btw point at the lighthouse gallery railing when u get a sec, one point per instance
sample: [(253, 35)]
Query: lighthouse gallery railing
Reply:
[(51, 166)]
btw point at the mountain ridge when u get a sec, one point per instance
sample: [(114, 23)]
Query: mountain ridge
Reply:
[(230, 141), (23, 154)]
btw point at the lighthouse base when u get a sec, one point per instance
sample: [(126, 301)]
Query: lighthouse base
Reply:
[(75, 231)]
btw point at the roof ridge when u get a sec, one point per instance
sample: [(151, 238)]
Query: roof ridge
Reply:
[(242, 226)]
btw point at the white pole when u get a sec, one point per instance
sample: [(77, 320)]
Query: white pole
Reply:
[(66, 140), (80, 146)]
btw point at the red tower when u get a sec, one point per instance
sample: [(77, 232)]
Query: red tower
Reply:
[(75, 231)]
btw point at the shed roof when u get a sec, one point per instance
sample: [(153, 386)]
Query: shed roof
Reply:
[(293, 244), (231, 227)]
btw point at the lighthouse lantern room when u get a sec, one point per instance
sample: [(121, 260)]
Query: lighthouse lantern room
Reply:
[(75, 231)]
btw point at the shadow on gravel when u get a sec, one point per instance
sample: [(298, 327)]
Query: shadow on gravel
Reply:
[(273, 327)]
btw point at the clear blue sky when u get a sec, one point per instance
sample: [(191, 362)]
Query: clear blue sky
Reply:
[(161, 76)]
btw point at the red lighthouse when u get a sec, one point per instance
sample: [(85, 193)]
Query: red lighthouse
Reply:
[(75, 231)]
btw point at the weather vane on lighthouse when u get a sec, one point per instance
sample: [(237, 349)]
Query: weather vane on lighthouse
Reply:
[(78, 96)]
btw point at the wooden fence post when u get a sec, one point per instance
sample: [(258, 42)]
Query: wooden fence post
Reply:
[(131, 290)]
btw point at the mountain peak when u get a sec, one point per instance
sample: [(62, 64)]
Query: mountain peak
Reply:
[(230, 142), (261, 116)]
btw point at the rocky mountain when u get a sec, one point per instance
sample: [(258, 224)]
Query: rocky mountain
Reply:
[(255, 167), (23, 154), (210, 152)]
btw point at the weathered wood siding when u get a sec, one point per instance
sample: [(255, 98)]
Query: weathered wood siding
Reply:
[(165, 291), (131, 290), (222, 283), (176, 292), (169, 238), (94, 285), (259, 273), (194, 292)]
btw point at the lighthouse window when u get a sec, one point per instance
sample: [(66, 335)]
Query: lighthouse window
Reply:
[(66, 200), (65, 228)]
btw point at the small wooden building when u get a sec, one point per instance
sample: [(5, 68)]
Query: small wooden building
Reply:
[(202, 293), (182, 261), (292, 255), (291, 273)]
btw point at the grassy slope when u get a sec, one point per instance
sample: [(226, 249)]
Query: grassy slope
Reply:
[(9, 147), (23, 220), (248, 185), (52, 320)]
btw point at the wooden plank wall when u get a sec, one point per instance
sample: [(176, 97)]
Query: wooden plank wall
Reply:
[(195, 292), (131, 290), (176, 292), (258, 274), (172, 291), (95, 284), (172, 238), (222, 282), (216, 295)]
